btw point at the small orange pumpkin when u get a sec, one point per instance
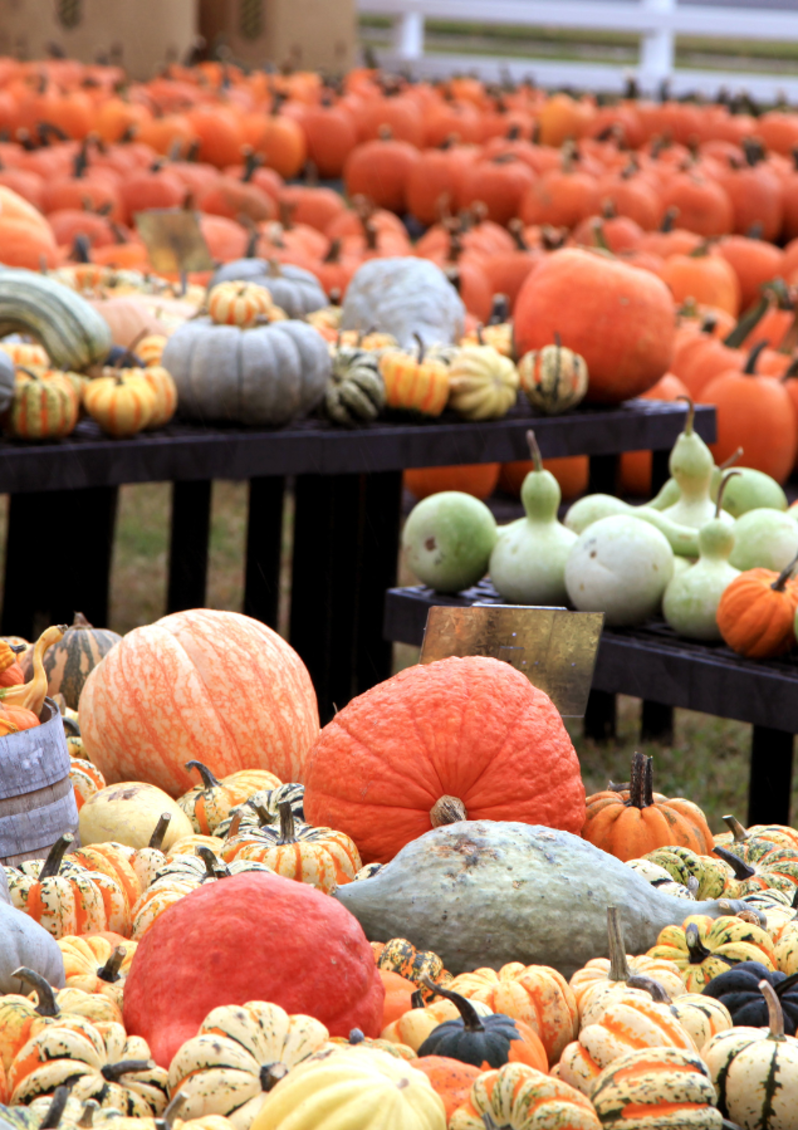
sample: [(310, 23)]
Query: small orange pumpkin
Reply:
[(756, 614), (414, 382)]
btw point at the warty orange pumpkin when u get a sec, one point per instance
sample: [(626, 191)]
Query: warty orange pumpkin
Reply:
[(471, 730), (204, 685)]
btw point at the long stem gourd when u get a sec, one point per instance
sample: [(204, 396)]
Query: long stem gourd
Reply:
[(31, 695)]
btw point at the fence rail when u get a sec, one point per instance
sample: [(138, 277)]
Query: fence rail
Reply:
[(656, 22)]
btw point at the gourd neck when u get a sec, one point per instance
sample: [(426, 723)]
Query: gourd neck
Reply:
[(540, 491), (691, 463), (716, 537), (207, 777)]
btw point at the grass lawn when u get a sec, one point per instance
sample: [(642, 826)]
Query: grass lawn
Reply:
[(708, 761)]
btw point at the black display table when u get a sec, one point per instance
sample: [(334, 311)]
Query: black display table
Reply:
[(347, 487), (654, 664)]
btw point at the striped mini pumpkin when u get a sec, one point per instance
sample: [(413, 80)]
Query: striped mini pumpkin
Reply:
[(517, 1096), (415, 383), (95, 965), (150, 349), (42, 409), (165, 389), (28, 353), (239, 304), (703, 947), (86, 779), (70, 660), (123, 404), (224, 1068), (113, 860), (662, 1087), (210, 802)]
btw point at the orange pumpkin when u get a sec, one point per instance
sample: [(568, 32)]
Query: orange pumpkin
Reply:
[(478, 479), (472, 732), (450, 1079), (205, 685), (709, 279), (756, 614), (630, 821), (619, 318), (398, 996)]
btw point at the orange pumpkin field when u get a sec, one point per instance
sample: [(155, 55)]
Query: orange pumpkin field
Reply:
[(216, 914)]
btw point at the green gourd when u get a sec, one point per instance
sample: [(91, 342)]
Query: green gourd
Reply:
[(501, 891), (691, 600), (527, 565), (691, 466), (750, 490), (448, 539), (765, 539), (593, 507)]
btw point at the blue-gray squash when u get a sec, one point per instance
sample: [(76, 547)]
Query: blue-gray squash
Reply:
[(293, 289), (24, 942), (485, 893), (265, 375), (409, 298)]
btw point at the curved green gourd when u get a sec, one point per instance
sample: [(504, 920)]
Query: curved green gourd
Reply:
[(764, 538), (691, 599), (527, 565), (750, 490), (691, 466), (73, 333), (593, 507)]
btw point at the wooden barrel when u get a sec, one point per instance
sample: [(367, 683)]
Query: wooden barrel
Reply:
[(37, 801)]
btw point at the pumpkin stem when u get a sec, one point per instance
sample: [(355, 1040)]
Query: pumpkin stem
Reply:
[(747, 323), (470, 1016), (44, 990), (741, 869), (271, 1074), (110, 971), (417, 999), (619, 966), (738, 832), (641, 782), (173, 1109), (90, 1108), (775, 1014), (784, 576), (500, 311), (516, 230), (80, 621), (695, 947), (421, 348), (208, 779), (159, 831), (750, 365), (55, 856), (688, 426), (656, 990), (56, 1109), (287, 828), (263, 814), (214, 867), (719, 502), (113, 1072), (235, 824), (534, 450), (735, 455), (446, 810)]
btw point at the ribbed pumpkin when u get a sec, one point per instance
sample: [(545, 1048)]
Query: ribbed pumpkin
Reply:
[(473, 729), (627, 823), (356, 390), (756, 614), (219, 687), (165, 389), (238, 303), (657, 1087), (701, 1016), (96, 965), (703, 947), (238, 1055), (122, 404), (69, 661), (738, 989), (483, 384), (770, 867), (211, 802), (517, 1097), (42, 409), (554, 379), (414, 382), (617, 318), (413, 1026)]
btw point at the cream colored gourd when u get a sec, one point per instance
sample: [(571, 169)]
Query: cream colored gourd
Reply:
[(683, 540), (527, 565), (128, 813), (691, 599), (483, 385), (621, 567), (765, 539), (691, 466)]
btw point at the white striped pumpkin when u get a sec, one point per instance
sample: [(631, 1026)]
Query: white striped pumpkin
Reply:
[(664, 1087), (702, 1017), (224, 1068), (86, 779)]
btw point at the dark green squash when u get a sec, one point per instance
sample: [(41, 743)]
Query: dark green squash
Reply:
[(69, 662), (739, 990), (490, 1040)]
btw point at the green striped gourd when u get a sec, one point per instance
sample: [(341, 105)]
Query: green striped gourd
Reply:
[(74, 335)]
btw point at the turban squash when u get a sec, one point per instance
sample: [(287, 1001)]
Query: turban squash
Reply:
[(470, 730), (219, 687)]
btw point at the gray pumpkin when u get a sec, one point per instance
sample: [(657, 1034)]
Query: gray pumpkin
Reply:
[(24, 942), (293, 289), (495, 892), (7, 380), (356, 390), (409, 298), (266, 375)]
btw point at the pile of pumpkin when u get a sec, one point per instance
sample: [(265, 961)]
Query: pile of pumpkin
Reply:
[(224, 959)]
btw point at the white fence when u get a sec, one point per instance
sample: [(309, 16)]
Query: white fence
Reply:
[(656, 22)]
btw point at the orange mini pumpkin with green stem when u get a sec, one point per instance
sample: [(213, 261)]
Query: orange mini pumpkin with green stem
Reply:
[(629, 821), (756, 614), (415, 382)]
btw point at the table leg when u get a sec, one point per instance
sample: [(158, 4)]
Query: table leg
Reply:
[(600, 717), (656, 723), (264, 549), (324, 583), (770, 783), (381, 521), (34, 595), (603, 475), (188, 548)]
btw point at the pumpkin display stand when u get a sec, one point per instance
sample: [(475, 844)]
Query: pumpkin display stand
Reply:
[(656, 665), (37, 801)]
